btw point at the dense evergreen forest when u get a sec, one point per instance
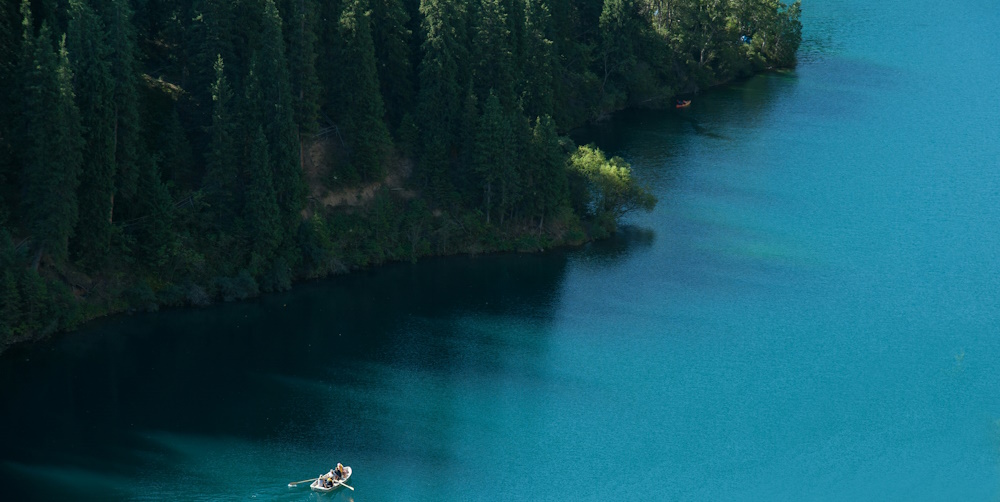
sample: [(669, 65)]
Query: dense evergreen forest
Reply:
[(171, 152)]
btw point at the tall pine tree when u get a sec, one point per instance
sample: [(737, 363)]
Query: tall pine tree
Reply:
[(121, 33), (539, 60), (210, 34), (9, 42), (300, 41), (494, 53), (52, 143), (279, 116), (548, 184), (443, 80), (11, 268), (261, 214), (619, 35), (328, 51), (222, 173), (359, 96), (392, 53), (95, 92), (494, 157), (10, 304), (155, 233)]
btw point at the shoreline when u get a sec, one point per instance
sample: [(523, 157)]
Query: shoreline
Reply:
[(494, 241), (96, 312)]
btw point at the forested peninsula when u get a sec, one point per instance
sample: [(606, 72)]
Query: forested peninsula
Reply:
[(179, 152)]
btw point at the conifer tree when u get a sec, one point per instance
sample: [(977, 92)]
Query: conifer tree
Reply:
[(261, 212), (469, 121), (9, 41), (462, 183), (210, 35), (548, 180), (516, 11), (494, 53), (576, 88), (391, 37), (328, 51), (279, 116), (539, 60), (300, 41), (155, 234), (252, 107), (441, 89), (10, 297), (8, 46), (172, 147), (360, 98), (52, 141), (222, 173), (513, 186), (125, 71), (10, 304), (94, 89), (35, 302), (618, 26), (495, 156)]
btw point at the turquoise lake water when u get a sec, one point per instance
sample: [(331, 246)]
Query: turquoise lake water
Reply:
[(812, 312)]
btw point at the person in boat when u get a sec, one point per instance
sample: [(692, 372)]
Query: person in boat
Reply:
[(338, 473)]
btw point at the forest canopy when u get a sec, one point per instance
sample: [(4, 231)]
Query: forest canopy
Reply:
[(170, 152)]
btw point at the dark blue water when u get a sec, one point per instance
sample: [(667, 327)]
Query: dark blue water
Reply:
[(812, 312)]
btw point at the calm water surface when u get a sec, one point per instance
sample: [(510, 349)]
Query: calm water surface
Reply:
[(812, 312)]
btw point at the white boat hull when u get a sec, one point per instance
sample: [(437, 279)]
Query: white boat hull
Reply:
[(318, 484)]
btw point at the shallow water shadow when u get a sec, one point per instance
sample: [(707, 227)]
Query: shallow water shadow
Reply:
[(616, 248), (701, 130)]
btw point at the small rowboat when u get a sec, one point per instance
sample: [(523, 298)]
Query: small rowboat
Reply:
[(683, 103), (336, 483)]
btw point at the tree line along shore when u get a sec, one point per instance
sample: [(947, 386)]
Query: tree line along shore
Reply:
[(180, 152)]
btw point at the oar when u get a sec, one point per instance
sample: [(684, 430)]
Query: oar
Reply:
[(299, 482), (345, 485)]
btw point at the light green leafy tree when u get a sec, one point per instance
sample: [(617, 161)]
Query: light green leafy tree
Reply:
[(609, 184)]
